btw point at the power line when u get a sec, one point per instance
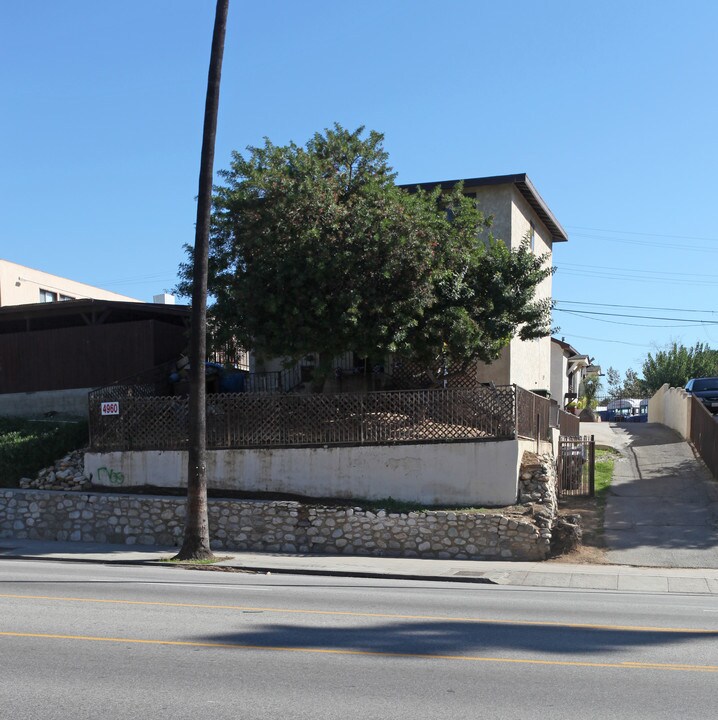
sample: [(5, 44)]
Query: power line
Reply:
[(635, 270), (633, 307), (648, 243), (646, 234), (629, 277), (590, 313), (619, 342)]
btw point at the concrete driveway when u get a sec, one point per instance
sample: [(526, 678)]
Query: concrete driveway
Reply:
[(662, 510)]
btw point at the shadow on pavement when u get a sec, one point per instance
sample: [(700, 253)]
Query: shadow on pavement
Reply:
[(662, 498), (457, 638)]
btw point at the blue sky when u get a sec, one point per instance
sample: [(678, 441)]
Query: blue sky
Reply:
[(609, 107)]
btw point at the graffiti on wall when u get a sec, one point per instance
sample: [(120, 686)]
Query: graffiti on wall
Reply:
[(108, 475)]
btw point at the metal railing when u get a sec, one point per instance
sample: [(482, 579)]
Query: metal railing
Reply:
[(576, 466)]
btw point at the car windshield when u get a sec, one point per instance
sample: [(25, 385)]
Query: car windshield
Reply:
[(705, 384)]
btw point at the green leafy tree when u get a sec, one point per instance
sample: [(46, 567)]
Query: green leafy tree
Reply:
[(315, 250), (590, 388), (677, 364), (613, 380), (631, 386), (484, 293)]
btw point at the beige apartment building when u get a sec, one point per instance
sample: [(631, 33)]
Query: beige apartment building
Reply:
[(518, 212), (20, 285)]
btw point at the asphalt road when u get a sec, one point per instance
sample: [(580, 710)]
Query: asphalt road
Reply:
[(91, 641)]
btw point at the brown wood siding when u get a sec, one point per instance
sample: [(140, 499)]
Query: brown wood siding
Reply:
[(89, 356), (170, 342)]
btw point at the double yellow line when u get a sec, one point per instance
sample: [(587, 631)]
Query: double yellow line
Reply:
[(351, 613), (371, 653)]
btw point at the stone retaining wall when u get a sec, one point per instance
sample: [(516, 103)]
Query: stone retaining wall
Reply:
[(537, 481), (273, 526), (517, 533)]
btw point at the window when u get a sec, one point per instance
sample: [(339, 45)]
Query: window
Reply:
[(47, 296), (66, 297), (532, 236)]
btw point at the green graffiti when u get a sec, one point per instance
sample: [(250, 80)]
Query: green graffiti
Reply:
[(108, 475)]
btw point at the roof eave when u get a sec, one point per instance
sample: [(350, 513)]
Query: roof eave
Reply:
[(522, 183)]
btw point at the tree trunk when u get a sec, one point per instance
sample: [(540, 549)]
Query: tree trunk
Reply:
[(195, 545), (321, 373)]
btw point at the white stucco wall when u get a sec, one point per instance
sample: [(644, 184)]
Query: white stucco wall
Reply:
[(527, 364), (20, 285), (671, 407), (495, 201), (531, 360), (479, 473), (498, 372), (531, 363), (559, 377)]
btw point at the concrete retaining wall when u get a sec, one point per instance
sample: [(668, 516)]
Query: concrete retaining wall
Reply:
[(671, 407), (477, 473)]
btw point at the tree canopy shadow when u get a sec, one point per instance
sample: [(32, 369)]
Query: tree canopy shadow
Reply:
[(420, 637)]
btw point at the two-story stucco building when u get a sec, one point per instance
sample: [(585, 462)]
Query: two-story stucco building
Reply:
[(518, 211)]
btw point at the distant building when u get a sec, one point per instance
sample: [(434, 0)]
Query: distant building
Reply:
[(52, 354), (568, 370), (20, 285), (60, 338)]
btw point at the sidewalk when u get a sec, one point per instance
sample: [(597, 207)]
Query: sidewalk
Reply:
[(526, 574)]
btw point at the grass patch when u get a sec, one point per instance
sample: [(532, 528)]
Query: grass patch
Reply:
[(390, 505), (591, 510), (603, 475), (27, 446), (605, 460)]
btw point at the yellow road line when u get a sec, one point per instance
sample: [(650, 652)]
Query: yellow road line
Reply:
[(373, 653), (349, 613)]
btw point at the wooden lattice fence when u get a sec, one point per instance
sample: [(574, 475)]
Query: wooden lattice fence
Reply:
[(535, 415), (255, 421)]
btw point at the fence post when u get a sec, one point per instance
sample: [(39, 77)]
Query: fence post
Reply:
[(362, 420), (592, 467), (538, 433)]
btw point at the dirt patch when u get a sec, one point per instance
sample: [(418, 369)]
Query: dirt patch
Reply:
[(593, 547)]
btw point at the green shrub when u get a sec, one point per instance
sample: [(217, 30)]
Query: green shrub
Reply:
[(27, 446)]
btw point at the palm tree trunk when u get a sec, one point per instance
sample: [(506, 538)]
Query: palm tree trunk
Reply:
[(195, 545)]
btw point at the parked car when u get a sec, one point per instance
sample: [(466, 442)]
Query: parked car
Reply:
[(706, 389)]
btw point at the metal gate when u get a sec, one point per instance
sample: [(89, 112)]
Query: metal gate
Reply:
[(576, 465)]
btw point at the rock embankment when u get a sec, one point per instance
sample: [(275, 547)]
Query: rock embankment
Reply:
[(68, 473)]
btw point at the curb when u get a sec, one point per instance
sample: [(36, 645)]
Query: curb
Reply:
[(479, 580), (341, 573)]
